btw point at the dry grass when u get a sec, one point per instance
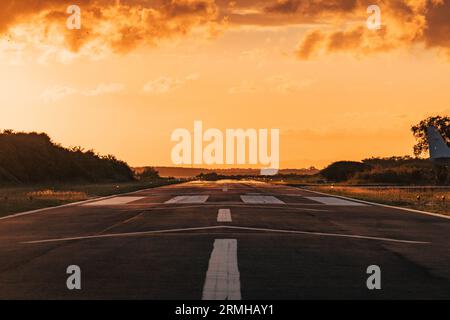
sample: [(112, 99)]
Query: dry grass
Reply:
[(60, 195), (23, 199), (19, 199), (427, 198)]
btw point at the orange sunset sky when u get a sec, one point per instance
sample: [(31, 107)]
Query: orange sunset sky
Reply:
[(139, 69)]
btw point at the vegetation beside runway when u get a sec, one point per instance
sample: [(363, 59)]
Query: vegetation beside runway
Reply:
[(14, 199), (31, 158), (431, 199), (36, 172)]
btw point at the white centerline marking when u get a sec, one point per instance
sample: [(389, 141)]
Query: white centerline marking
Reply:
[(188, 199), (331, 201), (224, 215), (113, 201), (261, 199), (222, 278)]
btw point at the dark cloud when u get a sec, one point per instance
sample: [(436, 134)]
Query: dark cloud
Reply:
[(345, 40), (405, 24), (437, 30), (310, 44), (313, 7)]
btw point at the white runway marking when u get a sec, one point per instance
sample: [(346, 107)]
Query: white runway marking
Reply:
[(261, 199), (286, 207), (222, 278), (224, 215), (113, 201), (156, 232), (188, 199), (385, 205), (72, 204), (336, 201)]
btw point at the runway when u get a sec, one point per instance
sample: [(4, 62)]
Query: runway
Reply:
[(224, 240)]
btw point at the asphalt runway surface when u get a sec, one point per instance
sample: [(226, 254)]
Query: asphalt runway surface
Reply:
[(224, 240)]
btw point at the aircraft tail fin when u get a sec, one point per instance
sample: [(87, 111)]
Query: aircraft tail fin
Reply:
[(437, 146)]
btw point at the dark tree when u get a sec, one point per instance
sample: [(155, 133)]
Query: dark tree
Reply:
[(442, 123), (212, 176), (34, 158), (343, 170), (150, 173)]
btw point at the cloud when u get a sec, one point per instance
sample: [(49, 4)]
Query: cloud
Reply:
[(282, 84), (104, 88), (358, 40), (313, 8), (341, 24), (122, 26), (161, 85), (58, 92), (164, 84), (244, 87), (437, 30), (404, 24), (310, 44), (256, 57)]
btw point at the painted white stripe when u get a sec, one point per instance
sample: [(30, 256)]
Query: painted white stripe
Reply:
[(113, 201), (385, 205), (222, 278), (261, 199), (331, 201), (339, 235), (156, 232), (188, 199), (119, 235), (224, 215), (287, 207), (72, 204)]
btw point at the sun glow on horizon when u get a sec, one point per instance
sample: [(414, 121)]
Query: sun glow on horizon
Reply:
[(133, 74)]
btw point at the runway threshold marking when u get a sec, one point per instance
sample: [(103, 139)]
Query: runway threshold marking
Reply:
[(188, 199), (113, 201), (224, 215), (261, 199), (222, 280), (383, 205), (155, 232), (286, 207), (331, 201)]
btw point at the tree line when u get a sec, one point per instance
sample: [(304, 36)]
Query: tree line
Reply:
[(398, 170), (35, 158)]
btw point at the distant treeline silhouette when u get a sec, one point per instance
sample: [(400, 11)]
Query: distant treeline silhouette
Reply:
[(374, 171), (393, 170), (34, 158)]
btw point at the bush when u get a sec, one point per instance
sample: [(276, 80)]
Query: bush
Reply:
[(402, 170), (213, 176), (149, 173), (343, 170)]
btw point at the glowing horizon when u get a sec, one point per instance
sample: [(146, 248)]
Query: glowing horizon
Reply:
[(138, 70)]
